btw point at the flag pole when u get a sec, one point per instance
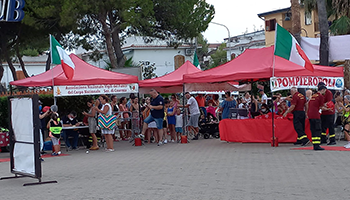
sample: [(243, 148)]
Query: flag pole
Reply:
[(273, 106), (53, 81), (274, 48)]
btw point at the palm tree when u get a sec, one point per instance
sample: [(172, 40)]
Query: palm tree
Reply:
[(341, 26), (323, 26), (296, 26)]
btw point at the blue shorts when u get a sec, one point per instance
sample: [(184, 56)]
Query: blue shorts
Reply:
[(178, 129), (159, 121)]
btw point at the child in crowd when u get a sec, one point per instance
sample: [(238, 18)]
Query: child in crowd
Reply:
[(175, 100), (202, 119), (55, 129), (165, 123), (210, 108), (171, 120), (178, 125), (152, 129)]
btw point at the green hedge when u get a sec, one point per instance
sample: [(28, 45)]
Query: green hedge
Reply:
[(65, 105)]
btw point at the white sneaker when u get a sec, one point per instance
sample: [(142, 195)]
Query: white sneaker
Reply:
[(347, 146), (159, 143), (172, 141), (59, 152), (165, 141)]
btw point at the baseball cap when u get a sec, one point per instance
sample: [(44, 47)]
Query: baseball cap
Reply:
[(321, 87), (320, 84), (260, 90)]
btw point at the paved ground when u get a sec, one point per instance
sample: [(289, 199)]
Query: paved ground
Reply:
[(203, 169)]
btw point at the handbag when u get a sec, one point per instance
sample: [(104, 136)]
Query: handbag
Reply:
[(107, 121)]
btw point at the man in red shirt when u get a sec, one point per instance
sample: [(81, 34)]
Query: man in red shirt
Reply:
[(298, 105), (327, 118), (313, 112), (201, 103)]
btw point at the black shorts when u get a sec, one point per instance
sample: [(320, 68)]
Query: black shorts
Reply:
[(164, 124)]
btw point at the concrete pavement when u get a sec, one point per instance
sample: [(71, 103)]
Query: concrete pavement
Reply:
[(203, 169)]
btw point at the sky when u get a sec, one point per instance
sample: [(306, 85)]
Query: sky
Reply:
[(239, 16)]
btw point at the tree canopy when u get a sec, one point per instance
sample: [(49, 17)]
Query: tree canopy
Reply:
[(219, 57), (173, 20)]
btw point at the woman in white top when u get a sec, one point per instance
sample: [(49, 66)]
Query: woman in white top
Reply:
[(107, 110), (247, 98)]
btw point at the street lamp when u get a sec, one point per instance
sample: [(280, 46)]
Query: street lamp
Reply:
[(229, 37)]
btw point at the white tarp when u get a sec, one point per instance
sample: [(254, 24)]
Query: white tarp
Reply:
[(23, 130), (339, 47), (214, 92), (225, 86), (285, 83), (23, 155), (22, 119), (208, 87), (77, 90)]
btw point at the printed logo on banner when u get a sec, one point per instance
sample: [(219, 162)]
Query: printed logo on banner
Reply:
[(132, 87), (274, 83), (58, 91), (339, 83)]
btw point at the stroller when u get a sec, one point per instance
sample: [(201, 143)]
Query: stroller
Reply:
[(209, 126)]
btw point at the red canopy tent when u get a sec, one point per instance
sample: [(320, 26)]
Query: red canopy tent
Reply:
[(169, 83), (84, 74), (172, 79), (173, 82), (257, 64), (261, 64)]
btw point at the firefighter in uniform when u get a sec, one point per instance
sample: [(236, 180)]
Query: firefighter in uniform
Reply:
[(298, 104), (316, 102), (327, 118)]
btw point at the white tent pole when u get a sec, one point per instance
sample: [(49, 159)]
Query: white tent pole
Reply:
[(53, 82)]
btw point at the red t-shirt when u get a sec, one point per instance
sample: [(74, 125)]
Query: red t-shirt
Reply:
[(200, 101), (298, 101), (315, 103), (328, 96)]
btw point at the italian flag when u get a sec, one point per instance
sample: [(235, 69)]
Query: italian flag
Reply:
[(195, 60), (59, 56), (287, 47)]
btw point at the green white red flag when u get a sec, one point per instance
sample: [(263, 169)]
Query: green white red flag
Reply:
[(196, 61), (287, 47), (59, 56)]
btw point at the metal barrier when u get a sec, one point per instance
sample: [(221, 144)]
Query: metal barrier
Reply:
[(131, 123)]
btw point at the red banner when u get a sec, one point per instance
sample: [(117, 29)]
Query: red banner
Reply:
[(259, 130)]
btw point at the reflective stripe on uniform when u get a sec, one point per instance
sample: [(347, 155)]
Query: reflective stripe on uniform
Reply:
[(316, 142), (324, 133), (316, 138), (332, 135), (302, 137)]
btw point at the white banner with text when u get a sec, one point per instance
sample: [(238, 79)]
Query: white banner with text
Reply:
[(78, 90), (285, 83)]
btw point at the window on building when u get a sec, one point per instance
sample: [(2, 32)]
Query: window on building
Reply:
[(308, 18), (270, 25), (179, 60)]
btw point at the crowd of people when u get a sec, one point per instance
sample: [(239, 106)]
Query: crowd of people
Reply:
[(160, 120)]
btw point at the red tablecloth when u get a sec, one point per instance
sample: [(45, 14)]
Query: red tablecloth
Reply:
[(259, 130)]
